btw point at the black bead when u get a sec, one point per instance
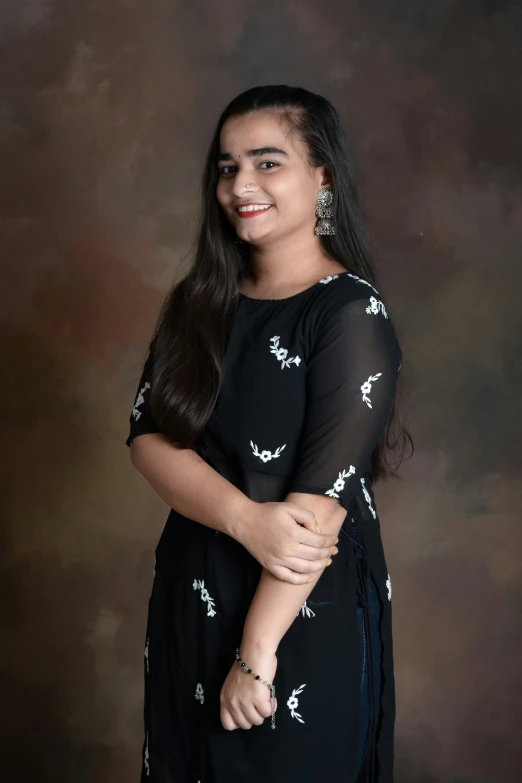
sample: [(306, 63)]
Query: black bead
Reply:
[(257, 676)]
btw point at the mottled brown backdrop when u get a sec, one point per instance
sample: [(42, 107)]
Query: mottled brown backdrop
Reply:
[(106, 108)]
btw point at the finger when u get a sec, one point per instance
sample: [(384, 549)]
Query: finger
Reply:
[(251, 714), (306, 567), (241, 720), (227, 720), (265, 708), (316, 540), (305, 552), (303, 516), (287, 575)]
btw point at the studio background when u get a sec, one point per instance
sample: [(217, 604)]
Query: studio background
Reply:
[(106, 109)]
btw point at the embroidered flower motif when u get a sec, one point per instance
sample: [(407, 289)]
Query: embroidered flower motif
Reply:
[(200, 585), (339, 483), (367, 387), (266, 456), (388, 585), (375, 306), (199, 695), (361, 280), (328, 279), (282, 353), (293, 702), (305, 611), (146, 755), (147, 654), (399, 367), (140, 399), (368, 498)]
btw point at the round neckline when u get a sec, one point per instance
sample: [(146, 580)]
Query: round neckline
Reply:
[(294, 296)]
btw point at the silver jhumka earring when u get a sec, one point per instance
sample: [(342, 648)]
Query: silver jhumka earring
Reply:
[(324, 211)]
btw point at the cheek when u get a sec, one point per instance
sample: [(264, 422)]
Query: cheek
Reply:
[(299, 204), (294, 196)]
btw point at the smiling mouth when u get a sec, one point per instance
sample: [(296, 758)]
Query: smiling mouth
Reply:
[(253, 212)]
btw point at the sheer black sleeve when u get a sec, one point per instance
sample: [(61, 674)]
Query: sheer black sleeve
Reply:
[(351, 384), (141, 420)]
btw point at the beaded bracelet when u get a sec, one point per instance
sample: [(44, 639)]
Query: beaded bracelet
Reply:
[(268, 684)]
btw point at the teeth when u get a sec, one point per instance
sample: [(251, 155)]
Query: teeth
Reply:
[(254, 207)]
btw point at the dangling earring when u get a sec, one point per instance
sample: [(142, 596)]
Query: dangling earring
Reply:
[(324, 211)]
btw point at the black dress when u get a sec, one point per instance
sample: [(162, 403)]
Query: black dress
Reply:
[(308, 386)]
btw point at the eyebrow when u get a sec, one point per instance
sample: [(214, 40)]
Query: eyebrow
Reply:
[(255, 153)]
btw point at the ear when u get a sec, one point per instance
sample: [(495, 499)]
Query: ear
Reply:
[(325, 176)]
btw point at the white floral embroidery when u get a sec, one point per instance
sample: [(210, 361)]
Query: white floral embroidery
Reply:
[(282, 353), (399, 367), (368, 498), (199, 695), (200, 585), (293, 702), (139, 400), (367, 387), (328, 279), (305, 611), (388, 585), (146, 756), (266, 456), (375, 306), (339, 483), (147, 654), (361, 280)]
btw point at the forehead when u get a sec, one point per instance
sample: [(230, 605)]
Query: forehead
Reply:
[(255, 130)]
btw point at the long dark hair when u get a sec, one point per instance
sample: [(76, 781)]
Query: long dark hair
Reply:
[(193, 325)]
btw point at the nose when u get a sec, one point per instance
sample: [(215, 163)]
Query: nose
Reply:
[(244, 183)]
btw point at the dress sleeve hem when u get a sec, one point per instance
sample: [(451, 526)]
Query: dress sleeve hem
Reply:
[(307, 489)]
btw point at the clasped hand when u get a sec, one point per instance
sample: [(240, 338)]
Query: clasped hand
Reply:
[(283, 538), (245, 701)]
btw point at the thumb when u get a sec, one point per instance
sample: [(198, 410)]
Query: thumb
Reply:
[(304, 517)]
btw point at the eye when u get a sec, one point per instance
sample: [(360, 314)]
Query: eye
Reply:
[(224, 169), (221, 170)]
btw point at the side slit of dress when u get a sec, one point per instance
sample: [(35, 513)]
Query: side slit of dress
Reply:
[(369, 758)]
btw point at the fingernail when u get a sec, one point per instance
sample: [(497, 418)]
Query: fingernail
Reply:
[(318, 528), (329, 562), (336, 541)]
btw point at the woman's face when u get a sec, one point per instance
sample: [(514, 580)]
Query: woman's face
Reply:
[(280, 180)]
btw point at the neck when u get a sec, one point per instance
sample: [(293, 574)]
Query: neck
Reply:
[(286, 261)]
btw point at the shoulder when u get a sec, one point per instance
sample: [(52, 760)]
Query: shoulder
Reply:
[(349, 293), (351, 308)]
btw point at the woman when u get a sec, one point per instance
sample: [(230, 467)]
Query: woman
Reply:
[(264, 413)]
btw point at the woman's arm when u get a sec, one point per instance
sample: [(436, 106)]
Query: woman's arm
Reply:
[(276, 604), (179, 477), (244, 701)]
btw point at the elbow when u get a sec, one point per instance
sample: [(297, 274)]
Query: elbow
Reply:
[(136, 453), (144, 447)]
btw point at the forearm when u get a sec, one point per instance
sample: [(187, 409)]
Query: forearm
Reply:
[(190, 485), (276, 604)]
